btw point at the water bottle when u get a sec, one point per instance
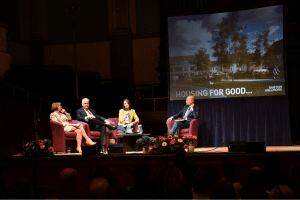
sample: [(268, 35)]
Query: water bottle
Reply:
[(140, 129), (69, 150)]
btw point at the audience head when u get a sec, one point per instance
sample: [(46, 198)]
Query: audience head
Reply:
[(178, 190), (255, 176), (228, 169), (223, 190), (68, 178), (126, 104), (202, 182), (85, 103), (141, 171), (99, 188), (108, 175), (22, 189), (282, 192), (173, 175), (55, 106)]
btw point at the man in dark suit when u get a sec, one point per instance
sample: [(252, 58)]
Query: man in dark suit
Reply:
[(95, 121), (187, 114)]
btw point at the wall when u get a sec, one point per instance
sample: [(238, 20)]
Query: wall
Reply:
[(19, 53), (95, 57)]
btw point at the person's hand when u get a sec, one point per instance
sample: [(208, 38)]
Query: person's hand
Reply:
[(192, 106), (107, 122), (63, 111), (171, 118)]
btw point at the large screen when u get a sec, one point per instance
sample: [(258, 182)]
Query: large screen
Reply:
[(222, 55)]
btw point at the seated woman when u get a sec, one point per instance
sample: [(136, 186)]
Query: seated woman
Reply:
[(61, 116), (126, 116)]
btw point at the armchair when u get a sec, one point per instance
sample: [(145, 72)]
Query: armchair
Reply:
[(60, 136), (115, 121), (192, 130)]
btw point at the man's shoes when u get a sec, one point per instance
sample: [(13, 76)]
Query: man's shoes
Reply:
[(103, 150), (111, 127)]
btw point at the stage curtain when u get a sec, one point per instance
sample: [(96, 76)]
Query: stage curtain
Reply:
[(258, 119)]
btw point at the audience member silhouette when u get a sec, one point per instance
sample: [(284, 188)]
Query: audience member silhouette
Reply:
[(228, 170), (141, 173), (294, 180), (190, 169), (68, 184), (173, 175), (154, 187), (21, 189), (180, 161), (223, 190), (255, 188), (272, 176), (178, 190), (282, 192), (100, 188), (201, 185), (110, 177)]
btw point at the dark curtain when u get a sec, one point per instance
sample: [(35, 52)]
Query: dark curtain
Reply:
[(258, 119)]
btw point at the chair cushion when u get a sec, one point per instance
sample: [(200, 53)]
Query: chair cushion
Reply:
[(70, 134), (185, 130), (95, 133)]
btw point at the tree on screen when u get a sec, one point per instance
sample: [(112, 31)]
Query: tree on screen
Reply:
[(228, 42), (202, 60), (257, 58)]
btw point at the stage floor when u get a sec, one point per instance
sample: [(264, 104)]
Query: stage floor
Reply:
[(295, 148)]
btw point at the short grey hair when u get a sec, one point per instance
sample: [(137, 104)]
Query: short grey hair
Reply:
[(85, 99)]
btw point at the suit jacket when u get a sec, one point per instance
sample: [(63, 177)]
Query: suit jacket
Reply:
[(63, 119), (192, 115), (132, 114), (81, 114)]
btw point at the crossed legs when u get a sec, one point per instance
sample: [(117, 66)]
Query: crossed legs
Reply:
[(80, 132), (178, 125)]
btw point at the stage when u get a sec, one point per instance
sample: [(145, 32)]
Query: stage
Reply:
[(44, 171)]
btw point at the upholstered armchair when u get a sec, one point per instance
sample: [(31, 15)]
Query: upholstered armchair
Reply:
[(60, 136), (115, 121), (192, 130)]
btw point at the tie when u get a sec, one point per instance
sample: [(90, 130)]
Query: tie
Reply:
[(89, 112), (186, 113)]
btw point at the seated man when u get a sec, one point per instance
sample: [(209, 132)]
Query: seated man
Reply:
[(95, 121), (188, 113)]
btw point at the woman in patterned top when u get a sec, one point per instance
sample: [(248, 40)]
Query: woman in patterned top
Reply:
[(61, 116)]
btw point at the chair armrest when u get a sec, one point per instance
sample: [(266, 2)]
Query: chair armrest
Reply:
[(171, 123), (58, 136)]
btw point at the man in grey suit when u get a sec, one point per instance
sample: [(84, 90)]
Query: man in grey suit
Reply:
[(95, 121)]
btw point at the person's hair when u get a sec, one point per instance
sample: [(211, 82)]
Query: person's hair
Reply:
[(55, 105), (202, 182), (100, 188), (126, 100), (255, 175), (174, 174), (282, 192), (223, 190), (85, 99)]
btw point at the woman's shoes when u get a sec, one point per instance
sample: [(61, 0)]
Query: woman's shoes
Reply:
[(91, 143), (79, 150)]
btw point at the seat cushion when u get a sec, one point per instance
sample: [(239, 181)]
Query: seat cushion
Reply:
[(185, 130), (95, 133), (70, 134)]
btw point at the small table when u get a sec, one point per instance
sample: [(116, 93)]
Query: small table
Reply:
[(130, 140)]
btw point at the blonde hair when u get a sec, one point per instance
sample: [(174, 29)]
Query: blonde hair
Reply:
[(54, 106)]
